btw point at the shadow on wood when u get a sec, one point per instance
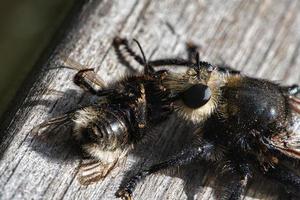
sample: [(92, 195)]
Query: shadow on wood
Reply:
[(261, 38)]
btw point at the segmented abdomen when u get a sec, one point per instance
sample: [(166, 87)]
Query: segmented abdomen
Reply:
[(104, 127)]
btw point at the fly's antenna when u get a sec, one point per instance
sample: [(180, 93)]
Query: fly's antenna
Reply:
[(148, 68)]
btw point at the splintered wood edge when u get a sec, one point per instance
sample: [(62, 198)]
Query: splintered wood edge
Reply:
[(261, 38)]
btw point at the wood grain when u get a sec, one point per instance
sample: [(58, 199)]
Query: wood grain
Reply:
[(261, 38)]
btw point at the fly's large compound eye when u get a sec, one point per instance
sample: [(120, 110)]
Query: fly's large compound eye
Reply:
[(196, 96)]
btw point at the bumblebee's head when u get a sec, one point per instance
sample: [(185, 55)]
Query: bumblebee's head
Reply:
[(197, 91)]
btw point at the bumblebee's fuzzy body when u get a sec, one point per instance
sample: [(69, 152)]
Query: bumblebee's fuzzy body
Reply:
[(108, 130), (124, 114)]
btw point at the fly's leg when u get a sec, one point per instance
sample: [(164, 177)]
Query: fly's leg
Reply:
[(287, 178), (237, 186), (292, 93), (183, 158), (193, 50), (292, 90)]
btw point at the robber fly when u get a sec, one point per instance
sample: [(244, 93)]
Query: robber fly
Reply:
[(244, 126)]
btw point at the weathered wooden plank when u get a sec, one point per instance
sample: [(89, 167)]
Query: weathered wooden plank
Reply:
[(259, 37)]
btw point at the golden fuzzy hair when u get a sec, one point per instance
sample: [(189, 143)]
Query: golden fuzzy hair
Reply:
[(214, 80)]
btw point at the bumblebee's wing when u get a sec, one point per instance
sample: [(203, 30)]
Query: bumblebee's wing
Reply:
[(91, 171), (52, 124), (87, 73)]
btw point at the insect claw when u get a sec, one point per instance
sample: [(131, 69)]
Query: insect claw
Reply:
[(124, 194)]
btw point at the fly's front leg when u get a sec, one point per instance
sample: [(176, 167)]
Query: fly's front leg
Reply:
[(192, 51), (119, 42), (227, 69)]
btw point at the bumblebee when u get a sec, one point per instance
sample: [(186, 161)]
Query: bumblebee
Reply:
[(125, 112), (244, 126)]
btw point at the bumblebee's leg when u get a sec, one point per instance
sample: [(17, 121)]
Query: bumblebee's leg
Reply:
[(118, 42), (140, 112), (185, 157), (192, 50), (87, 85), (80, 81), (287, 178)]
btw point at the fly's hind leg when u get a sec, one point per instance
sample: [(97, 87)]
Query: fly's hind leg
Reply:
[(289, 180)]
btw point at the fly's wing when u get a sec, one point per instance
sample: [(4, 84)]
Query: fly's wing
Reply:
[(288, 143), (87, 74)]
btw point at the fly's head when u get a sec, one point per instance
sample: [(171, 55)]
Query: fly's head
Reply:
[(196, 92)]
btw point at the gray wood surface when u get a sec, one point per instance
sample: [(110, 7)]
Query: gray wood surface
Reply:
[(261, 38)]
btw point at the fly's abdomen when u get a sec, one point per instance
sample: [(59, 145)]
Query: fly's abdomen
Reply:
[(100, 128)]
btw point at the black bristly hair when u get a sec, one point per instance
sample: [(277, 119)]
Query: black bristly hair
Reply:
[(197, 67), (148, 68), (200, 64)]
